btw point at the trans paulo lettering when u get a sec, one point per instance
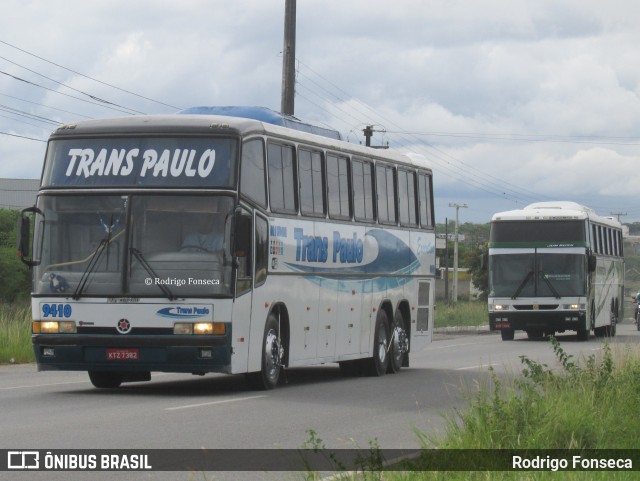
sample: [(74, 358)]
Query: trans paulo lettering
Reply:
[(316, 248), (120, 162)]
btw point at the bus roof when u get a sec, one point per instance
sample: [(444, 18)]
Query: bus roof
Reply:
[(203, 124), (554, 210), (266, 115)]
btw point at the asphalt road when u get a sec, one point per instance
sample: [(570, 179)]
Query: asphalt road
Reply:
[(62, 410)]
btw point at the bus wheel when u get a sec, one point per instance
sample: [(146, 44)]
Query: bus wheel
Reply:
[(272, 356), (399, 343), (507, 334), (583, 332), (379, 363), (105, 379), (535, 333)]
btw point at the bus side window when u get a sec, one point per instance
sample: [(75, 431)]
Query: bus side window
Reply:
[(252, 178), (262, 249), (282, 182), (424, 196), (385, 187), (242, 251)]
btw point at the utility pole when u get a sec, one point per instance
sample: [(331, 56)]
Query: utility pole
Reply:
[(289, 58), (446, 259), (455, 251), (368, 133), (618, 214)]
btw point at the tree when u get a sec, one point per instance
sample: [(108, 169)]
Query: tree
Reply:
[(477, 259), (15, 277)]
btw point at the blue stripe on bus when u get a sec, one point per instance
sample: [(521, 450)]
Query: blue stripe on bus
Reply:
[(391, 268)]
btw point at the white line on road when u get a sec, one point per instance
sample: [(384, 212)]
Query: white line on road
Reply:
[(478, 366), (222, 401), (42, 385)]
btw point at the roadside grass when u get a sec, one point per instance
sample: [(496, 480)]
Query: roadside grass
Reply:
[(461, 314), (15, 333), (591, 404)]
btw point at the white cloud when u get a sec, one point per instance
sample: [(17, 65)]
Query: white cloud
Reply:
[(518, 87)]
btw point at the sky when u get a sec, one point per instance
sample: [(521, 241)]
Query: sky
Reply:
[(510, 101)]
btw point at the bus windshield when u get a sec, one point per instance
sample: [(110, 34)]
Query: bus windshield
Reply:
[(135, 245), (536, 275)]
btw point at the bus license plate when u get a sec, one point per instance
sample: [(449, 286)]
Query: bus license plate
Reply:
[(123, 354)]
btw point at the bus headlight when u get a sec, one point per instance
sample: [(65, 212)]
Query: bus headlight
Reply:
[(575, 307), (202, 328), (499, 307), (54, 327)]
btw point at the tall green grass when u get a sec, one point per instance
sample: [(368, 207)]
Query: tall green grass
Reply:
[(590, 406), (15, 333), (461, 314)]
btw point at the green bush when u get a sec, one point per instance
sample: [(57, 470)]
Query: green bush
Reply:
[(15, 277)]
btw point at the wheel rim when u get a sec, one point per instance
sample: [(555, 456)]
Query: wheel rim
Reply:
[(272, 355), (382, 346)]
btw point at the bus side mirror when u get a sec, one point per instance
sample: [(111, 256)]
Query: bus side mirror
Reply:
[(28, 218), (591, 262)]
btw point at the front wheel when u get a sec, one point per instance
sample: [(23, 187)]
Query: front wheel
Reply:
[(106, 379), (507, 334), (272, 356)]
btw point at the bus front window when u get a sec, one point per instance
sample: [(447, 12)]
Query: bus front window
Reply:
[(82, 245), (142, 245), (511, 275), (561, 275), (179, 246)]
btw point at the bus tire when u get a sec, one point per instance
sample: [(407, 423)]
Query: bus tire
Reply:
[(350, 368), (106, 379), (398, 347), (507, 334), (272, 356), (379, 362)]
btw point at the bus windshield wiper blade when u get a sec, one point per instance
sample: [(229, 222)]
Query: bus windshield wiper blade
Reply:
[(522, 284), (548, 283), (143, 262), (93, 262)]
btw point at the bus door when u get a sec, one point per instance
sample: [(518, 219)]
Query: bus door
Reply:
[(251, 254), (423, 326)]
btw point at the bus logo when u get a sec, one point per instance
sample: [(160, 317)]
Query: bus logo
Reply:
[(123, 326), (183, 312)]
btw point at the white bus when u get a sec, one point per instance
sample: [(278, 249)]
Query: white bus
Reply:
[(555, 266), (205, 243)]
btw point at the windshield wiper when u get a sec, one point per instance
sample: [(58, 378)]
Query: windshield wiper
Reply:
[(522, 284), (143, 262), (93, 262), (549, 285)]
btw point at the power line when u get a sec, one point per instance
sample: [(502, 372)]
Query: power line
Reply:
[(88, 77), (91, 96), (22, 137)]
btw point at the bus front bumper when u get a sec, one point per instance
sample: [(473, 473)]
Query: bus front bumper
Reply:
[(547, 321), (160, 353)]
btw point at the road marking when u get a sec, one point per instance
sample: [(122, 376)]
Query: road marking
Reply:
[(212, 403), (42, 385), (479, 366)]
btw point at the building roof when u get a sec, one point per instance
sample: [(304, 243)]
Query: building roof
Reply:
[(18, 193)]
